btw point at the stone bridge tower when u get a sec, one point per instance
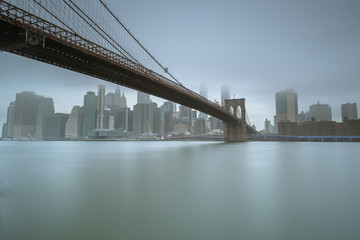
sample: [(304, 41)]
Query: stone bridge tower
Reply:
[(235, 131)]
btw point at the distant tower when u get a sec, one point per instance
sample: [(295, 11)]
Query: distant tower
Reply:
[(320, 112), (116, 101), (143, 98), (89, 118), (55, 125), (349, 111), (225, 94), (204, 93), (119, 99), (286, 107), (123, 100), (46, 107), (109, 99), (302, 117), (101, 107), (142, 118), (26, 109), (10, 120), (111, 122), (268, 127), (73, 127)]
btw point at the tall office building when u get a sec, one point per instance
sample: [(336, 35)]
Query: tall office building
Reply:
[(55, 125), (3, 132), (185, 116), (269, 128), (109, 99), (10, 120), (107, 115), (214, 123), (117, 96), (349, 111), (200, 126), (90, 108), (123, 103), (157, 125), (165, 118), (168, 106), (302, 117), (111, 122), (320, 112), (225, 94), (26, 109), (46, 107), (101, 107), (130, 118), (204, 93), (286, 107), (119, 99), (73, 127), (142, 118), (143, 98)]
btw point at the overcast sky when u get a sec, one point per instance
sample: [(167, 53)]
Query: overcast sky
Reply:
[(256, 47)]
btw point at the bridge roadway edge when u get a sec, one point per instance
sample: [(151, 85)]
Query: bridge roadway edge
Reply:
[(57, 53)]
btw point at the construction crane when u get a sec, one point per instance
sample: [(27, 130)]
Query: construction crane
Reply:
[(149, 129)]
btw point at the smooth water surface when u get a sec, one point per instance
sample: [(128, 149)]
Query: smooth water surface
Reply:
[(179, 190)]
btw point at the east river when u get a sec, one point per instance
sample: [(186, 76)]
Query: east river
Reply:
[(179, 190)]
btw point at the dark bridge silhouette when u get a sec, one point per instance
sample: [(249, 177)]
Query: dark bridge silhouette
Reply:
[(28, 35)]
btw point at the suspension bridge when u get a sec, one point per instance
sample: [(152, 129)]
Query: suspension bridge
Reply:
[(87, 37)]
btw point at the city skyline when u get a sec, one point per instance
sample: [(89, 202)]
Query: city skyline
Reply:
[(309, 46), (314, 113)]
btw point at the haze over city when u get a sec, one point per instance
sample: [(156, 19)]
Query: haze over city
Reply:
[(107, 163), (256, 47)]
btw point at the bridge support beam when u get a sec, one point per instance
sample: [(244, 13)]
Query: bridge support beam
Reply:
[(235, 131)]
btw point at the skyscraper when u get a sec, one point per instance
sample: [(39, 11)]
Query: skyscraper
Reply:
[(46, 107), (320, 112), (90, 108), (268, 127), (3, 132), (167, 110), (225, 94), (109, 99), (123, 101), (101, 107), (142, 118), (26, 109), (55, 125), (286, 107), (185, 116), (119, 100), (204, 93), (117, 96), (349, 111), (200, 126), (10, 120), (143, 98), (73, 127)]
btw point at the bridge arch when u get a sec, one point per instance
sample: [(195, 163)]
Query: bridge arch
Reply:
[(231, 110), (237, 108), (236, 131), (238, 112)]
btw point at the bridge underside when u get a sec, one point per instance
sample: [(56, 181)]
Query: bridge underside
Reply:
[(29, 43)]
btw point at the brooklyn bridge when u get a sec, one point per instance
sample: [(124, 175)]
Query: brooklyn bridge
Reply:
[(74, 35)]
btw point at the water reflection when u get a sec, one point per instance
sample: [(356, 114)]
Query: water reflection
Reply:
[(179, 190)]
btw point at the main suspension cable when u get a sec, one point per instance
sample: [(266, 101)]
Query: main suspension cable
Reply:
[(94, 28), (128, 31), (53, 15), (103, 32)]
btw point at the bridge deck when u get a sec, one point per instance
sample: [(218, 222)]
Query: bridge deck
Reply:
[(30, 36)]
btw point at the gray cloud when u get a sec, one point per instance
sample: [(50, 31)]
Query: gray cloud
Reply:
[(256, 47)]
